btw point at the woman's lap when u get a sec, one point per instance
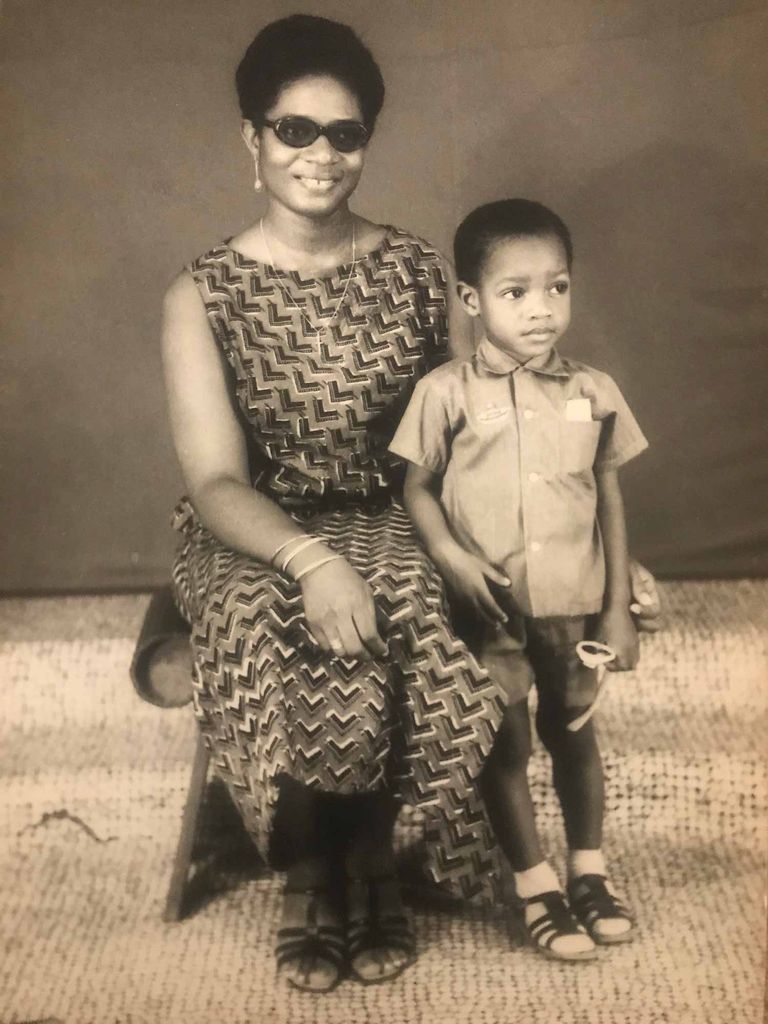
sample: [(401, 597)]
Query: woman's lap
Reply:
[(420, 722)]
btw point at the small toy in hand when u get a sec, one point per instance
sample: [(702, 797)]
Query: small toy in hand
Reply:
[(595, 655)]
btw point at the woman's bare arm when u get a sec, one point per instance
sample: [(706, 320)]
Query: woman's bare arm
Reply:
[(207, 436), (211, 450)]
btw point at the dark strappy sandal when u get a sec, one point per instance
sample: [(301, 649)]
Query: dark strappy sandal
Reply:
[(375, 927), (556, 922), (592, 902), (312, 941)]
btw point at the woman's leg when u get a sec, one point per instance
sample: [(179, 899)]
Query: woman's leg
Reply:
[(381, 941), (307, 847)]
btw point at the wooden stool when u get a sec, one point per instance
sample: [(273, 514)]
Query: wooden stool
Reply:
[(161, 670)]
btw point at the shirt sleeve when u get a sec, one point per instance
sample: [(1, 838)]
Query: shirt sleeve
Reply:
[(621, 439), (424, 435)]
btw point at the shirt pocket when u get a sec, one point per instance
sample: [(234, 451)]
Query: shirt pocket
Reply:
[(578, 445)]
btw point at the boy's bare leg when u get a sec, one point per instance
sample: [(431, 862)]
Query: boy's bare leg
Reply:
[(577, 773), (504, 785)]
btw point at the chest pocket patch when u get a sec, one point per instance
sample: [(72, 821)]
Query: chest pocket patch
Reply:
[(578, 445)]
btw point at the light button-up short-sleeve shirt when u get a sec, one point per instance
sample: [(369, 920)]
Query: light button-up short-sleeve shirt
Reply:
[(518, 447)]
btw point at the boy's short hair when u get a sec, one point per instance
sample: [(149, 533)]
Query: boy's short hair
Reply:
[(484, 227)]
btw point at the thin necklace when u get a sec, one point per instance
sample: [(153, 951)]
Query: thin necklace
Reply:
[(318, 330)]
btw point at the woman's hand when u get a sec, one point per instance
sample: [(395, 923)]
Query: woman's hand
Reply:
[(467, 576), (645, 600), (340, 612), (616, 629)]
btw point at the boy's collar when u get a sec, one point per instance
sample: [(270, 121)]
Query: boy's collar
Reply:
[(494, 360)]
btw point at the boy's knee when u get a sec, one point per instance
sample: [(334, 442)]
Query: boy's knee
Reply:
[(552, 728), (512, 747)]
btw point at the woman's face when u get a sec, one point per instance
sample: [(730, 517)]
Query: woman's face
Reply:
[(316, 180)]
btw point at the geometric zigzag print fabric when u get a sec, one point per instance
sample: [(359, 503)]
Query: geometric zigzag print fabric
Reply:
[(323, 409), (420, 721)]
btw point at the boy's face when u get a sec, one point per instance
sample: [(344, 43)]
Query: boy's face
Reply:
[(522, 296)]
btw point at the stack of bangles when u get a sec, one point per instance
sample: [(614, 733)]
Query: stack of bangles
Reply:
[(292, 548)]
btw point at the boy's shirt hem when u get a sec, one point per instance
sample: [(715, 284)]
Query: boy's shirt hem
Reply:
[(518, 447)]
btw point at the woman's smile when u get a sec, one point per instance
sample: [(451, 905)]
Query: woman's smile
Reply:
[(319, 184)]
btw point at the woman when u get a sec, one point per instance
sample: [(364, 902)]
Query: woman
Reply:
[(328, 681)]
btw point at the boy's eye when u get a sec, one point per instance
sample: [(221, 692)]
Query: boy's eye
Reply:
[(560, 287), (513, 293)]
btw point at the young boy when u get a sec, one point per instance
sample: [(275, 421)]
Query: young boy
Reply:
[(512, 485)]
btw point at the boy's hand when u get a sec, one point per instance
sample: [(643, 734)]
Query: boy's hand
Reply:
[(616, 628), (466, 574)]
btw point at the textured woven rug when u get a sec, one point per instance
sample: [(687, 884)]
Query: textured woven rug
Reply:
[(94, 780)]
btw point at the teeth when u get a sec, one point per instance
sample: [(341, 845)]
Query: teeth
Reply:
[(319, 182)]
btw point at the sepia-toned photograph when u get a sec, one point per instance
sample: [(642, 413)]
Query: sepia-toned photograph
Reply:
[(384, 550)]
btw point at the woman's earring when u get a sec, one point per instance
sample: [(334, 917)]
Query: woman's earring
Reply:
[(257, 181)]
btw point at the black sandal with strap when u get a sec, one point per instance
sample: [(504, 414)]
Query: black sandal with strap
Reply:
[(556, 922), (378, 929), (592, 902), (312, 941)]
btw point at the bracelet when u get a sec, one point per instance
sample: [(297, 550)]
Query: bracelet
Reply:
[(315, 565), (284, 545), (299, 548)]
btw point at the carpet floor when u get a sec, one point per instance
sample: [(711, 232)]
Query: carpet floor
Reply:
[(94, 781)]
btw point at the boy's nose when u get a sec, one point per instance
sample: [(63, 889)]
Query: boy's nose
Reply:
[(540, 310)]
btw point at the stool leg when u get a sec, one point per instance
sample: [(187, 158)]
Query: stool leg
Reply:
[(180, 873)]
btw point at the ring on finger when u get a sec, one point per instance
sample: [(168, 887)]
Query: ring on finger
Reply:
[(337, 646)]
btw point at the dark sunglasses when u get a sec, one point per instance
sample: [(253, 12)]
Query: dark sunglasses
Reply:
[(298, 132)]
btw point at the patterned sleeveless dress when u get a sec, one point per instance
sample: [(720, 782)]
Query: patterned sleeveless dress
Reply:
[(319, 412)]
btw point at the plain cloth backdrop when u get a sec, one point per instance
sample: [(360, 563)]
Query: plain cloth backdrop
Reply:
[(642, 122)]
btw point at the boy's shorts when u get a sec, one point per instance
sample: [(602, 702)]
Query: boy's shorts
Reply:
[(525, 651)]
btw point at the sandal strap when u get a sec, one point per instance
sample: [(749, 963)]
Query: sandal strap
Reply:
[(591, 900), (331, 949), (556, 921), (324, 941), (378, 927)]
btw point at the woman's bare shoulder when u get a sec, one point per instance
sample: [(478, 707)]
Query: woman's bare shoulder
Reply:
[(181, 293), (368, 234)]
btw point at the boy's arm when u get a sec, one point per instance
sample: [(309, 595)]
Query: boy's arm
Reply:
[(615, 626), (466, 574)]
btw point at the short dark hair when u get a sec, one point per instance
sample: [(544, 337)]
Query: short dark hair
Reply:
[(484, 227), (301, 45)]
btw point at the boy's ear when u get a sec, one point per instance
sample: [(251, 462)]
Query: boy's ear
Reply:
[(468, 298)]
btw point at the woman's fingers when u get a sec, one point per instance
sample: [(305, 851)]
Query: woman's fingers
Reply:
[(646, 600), (365, 623), (348, 638)]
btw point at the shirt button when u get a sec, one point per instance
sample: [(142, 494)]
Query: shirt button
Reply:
[(533, 477), (529, 414), (535, 546)]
